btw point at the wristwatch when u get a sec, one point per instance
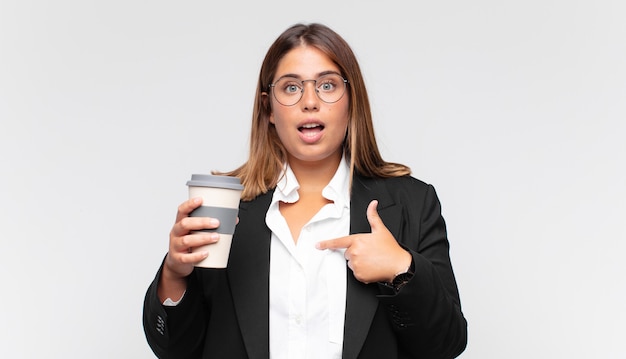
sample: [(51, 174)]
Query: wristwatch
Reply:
[(400, 279)]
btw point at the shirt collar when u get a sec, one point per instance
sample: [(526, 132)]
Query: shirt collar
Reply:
[(337, 190)]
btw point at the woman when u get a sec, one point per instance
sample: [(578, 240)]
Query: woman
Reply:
[(337, 253)]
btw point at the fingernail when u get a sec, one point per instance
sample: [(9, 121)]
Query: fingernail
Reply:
[(214, 222)]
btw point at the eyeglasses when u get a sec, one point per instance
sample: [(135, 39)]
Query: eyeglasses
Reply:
[(289, 90)]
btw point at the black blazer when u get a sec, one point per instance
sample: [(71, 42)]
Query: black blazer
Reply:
[(225, 312)]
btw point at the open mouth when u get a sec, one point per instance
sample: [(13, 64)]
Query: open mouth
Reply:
[(311, 128)]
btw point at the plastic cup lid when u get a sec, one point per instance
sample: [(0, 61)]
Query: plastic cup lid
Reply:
[(199, 180)]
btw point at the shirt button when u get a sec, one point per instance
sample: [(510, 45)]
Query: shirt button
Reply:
[(298, 319)]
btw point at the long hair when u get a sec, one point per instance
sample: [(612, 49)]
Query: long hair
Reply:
[(268, 155)]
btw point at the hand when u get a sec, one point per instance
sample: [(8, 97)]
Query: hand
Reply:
[(180, 260), (375, 256)]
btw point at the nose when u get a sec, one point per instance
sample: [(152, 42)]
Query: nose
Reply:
[(310, 100)]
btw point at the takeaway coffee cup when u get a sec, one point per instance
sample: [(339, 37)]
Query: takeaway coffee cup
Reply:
[(220, 199)]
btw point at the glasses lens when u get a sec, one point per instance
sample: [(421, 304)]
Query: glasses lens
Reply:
[(288, 90), (329, 88)]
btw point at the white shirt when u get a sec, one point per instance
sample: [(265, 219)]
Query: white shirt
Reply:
[(308, 285)]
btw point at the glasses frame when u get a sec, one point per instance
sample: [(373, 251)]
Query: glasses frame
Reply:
[(317, 92)]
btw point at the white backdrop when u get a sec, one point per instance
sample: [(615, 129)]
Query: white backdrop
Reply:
[(515, 111)]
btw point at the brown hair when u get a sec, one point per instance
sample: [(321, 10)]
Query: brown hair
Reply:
[(268, 155)]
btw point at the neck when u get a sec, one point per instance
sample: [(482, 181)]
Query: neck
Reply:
[(315, 175)]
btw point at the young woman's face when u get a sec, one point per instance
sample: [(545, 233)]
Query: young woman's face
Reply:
[(310, 130)]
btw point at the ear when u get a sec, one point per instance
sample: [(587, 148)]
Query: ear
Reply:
[(266, 102)]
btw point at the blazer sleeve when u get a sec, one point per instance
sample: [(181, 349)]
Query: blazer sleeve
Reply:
[(176, 331), (426, 312)]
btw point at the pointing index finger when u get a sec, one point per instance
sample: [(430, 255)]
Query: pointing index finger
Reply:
[(337, 243)]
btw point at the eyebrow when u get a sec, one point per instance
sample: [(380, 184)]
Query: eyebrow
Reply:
[(296, 76)]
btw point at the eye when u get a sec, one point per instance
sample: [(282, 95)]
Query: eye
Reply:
[(292, 88), (328, 83), (327, 86), (289, 86)]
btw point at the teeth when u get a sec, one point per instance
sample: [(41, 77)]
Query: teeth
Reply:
[(310, 125)]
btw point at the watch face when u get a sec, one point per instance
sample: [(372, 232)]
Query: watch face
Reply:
[(402, 278)]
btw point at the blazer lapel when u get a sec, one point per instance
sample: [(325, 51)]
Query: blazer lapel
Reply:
[(248, 272), (361, 300)]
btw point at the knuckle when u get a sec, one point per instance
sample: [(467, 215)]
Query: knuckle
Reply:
[(186, 224), (183, 208), (184, 241)]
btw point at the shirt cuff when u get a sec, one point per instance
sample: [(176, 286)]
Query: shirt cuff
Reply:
[(168, 302)]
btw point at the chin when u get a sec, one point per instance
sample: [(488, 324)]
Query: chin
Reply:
[(319, 157)]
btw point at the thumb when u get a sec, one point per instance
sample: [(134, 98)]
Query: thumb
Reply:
[(372, 216)]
